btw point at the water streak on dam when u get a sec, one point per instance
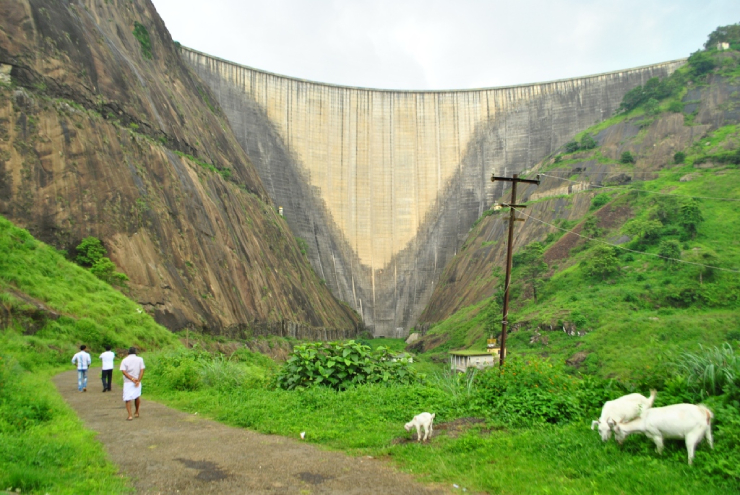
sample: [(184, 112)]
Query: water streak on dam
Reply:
[(384, 185)]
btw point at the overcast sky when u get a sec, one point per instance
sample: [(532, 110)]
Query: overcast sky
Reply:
[(444, 44)]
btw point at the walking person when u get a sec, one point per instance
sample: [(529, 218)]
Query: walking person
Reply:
[(132, 367), (82, 360), (107, 375)]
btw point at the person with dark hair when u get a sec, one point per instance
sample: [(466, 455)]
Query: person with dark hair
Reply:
[(107, 375), (132, 367), (82, 359)]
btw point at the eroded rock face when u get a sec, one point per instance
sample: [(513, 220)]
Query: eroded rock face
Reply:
[(97, 139)]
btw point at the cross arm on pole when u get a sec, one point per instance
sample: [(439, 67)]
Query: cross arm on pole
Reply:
[(494, 178)]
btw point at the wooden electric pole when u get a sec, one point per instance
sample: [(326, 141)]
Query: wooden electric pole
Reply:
[(509, 249)]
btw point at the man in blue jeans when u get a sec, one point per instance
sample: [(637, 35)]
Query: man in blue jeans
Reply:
[(82, 359)]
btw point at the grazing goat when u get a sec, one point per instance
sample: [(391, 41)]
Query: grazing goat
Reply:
[(687, 421), (622, 410), (421, 420)]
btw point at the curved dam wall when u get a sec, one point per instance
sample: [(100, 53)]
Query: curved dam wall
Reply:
[(383, 186)]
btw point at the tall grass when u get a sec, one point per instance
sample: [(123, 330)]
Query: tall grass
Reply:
[(712, 371)]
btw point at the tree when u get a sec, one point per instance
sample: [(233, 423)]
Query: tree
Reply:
[(492, 322), (603, 262), (690, 217), (627, 158), (534, 266), (701, 63), (89, 251), (727, 34), (670, 249)]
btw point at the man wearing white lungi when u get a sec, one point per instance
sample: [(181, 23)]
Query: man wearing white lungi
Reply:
[(132, 367)]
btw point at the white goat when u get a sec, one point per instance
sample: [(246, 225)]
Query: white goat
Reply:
[(622, 410), (687, 421), (421, 420)]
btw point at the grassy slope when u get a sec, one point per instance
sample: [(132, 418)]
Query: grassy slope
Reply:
[(45, 447), (655, 312)]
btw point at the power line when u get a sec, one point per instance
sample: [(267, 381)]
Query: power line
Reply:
[(642, 190), (627, 249)]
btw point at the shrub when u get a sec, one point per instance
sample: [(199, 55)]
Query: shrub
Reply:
[(602, 263), (588, 142), (651, 107), (675, 106), (670, 249), (679, 157), (142, 35), (571, 147), (690, 217), (340, 365), (536, 392), (105, 270), (599, 200), (626, 158), (89, 251), (701, 63)]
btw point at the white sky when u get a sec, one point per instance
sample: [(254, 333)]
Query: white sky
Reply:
[(444, 44)]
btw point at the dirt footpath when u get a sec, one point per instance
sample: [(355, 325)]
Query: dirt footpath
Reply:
[(172, 452)]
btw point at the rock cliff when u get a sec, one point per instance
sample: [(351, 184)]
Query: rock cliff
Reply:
[(104, 131)]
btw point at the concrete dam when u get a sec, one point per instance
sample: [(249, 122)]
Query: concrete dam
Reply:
[(383, 186)]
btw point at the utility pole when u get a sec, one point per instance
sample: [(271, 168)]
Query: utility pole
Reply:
[(509, 249)]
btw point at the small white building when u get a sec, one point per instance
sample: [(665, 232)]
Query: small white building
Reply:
[(723, 45), (462, 360)]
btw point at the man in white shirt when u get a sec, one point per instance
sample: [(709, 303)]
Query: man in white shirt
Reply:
[(82, 360), (132, 367), (107, 375)]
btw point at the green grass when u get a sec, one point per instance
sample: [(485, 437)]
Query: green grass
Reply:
[(492, 456), (45, 448)]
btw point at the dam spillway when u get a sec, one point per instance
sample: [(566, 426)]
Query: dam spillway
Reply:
[(383, 185)]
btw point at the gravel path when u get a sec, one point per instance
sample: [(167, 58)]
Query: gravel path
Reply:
[(172, 452)]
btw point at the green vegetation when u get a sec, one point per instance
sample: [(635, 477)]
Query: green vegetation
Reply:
[(142, 35), (48, 306), (91, 253), (223, 172), (342, 365)]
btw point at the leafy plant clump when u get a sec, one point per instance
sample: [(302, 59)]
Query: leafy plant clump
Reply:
[(341, 365), (92, 254), (142, 34)]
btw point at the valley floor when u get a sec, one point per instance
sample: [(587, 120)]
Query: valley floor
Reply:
[(168, 451)]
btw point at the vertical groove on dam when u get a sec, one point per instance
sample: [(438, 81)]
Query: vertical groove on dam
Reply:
[(384, 185)]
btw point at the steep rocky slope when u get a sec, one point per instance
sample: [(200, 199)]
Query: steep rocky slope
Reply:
[(107, 133), (565, 193)]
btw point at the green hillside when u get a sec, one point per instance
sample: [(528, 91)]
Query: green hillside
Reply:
[(48, 307), (608, 300)]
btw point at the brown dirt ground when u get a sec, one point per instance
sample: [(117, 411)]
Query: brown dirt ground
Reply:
[(171, 452)]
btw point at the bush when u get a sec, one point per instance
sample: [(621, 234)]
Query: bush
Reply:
[(670, 249), (531, 392), (627, 158), (602, 263), (712, 372), (571, 147), (701, 63), (105, 270), (675, 106), (340, 365), (679, 157), (599, 200), (89, 251), (140, 33), (588, 142)]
